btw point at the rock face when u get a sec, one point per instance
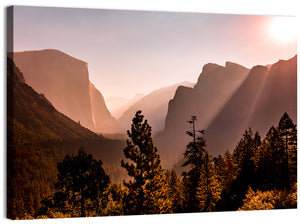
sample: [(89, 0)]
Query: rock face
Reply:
[(227, 128), (259, 103), (214, 88), (102, 118), (64, 80), (278, 95), (227, 101), (32, 111), (154, 107)]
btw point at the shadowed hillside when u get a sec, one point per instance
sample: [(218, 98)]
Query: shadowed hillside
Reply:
[(64, 80), (227, 128), (227, 101), (37, 137), (215, 86), (279, 95)]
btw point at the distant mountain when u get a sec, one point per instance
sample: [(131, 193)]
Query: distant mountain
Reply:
[(34, 113), (215, 86), (64, 80), (118, 105), (154, 107)]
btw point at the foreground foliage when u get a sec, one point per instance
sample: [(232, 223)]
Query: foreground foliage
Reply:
[(259, 174), (146, 191)]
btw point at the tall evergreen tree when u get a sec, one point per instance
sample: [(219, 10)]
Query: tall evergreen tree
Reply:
[(271, 161), (209, 188), (80, 184), (244, 160), (229, 170), (219, 169), (146, 190), (174, 191), (193, 155), (288, 132)]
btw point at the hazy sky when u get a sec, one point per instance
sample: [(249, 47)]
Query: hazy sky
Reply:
[(132, 52)]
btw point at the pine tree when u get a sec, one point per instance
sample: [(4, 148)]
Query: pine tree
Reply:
[(80, 184), (194, 159), (229, 170), (288, 132), (244, 160), (146, 191), (174, 191), (271, 161), (219, 168), (209, 188)]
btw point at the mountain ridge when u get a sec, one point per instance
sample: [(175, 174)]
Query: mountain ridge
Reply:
[(64, 80), (258, 101)]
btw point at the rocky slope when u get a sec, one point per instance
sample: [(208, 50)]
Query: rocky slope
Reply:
[(64, 80), (215, 86), (227, 101)]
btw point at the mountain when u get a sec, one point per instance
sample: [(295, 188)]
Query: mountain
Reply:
[(64, 80), (154, 107), (215, 86), (259, 103), (118, 105), (257, 100), (278, 95), (35, 114), (227, 128), (101, 116), (38, 136)]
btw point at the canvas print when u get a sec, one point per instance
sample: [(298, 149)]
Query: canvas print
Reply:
[(119, 112)]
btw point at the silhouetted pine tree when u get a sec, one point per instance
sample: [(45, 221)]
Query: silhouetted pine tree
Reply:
[(271, 161), (193, 155), (146, 191), (288, 132), (80, 184), (244, 159), (230, 170)]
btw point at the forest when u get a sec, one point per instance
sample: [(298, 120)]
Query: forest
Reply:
[(259, 174)]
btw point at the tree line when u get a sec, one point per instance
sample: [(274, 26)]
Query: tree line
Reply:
[(259, 174)]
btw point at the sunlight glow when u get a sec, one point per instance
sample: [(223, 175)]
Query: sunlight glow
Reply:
[(283, 28)]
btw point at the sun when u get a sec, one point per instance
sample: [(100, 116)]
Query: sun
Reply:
[(283, 28)]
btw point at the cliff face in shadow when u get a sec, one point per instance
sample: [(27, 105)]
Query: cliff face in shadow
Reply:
[(278, 95), (39, 136), (227, 128), (259, 103), (64, 80), (227, 101), (215, 86)]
